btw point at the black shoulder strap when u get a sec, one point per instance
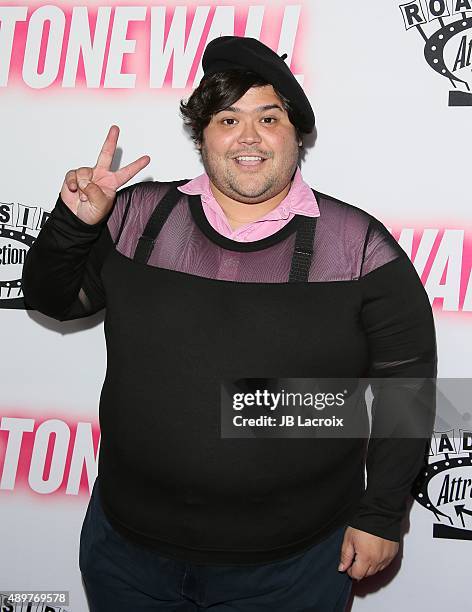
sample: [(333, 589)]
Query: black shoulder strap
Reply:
[(303, 250), (304, 247), (156, 221)]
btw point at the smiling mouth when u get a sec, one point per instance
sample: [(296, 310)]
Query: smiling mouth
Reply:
[(249, 160)]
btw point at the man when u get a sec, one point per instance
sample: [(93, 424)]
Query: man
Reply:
[(224, 277)]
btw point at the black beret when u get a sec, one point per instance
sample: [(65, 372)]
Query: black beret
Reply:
[(245, 53)]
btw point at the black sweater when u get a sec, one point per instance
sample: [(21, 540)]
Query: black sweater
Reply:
[(206, 308)]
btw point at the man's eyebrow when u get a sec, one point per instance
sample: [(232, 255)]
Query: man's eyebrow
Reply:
[(259, 109)]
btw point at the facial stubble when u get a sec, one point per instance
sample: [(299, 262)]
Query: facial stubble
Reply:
[(249, 188)]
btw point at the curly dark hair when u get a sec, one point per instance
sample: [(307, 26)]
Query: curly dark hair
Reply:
[(219, 90)]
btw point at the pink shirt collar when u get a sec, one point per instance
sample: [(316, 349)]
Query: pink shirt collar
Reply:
[(299, 200)]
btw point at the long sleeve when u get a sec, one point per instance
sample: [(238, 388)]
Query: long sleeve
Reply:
[(61, 272), (398, 321)]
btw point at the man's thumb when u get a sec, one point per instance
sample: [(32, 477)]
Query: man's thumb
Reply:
[(93, 193), (347, 554)]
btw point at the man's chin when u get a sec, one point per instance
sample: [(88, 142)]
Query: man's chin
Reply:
[(250, 190), (250, 199)]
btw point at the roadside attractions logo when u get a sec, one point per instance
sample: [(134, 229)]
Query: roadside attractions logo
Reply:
[(19, 227), (445, 486), (445, 27)]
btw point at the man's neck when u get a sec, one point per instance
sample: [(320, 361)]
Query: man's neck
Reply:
[(240, 213)]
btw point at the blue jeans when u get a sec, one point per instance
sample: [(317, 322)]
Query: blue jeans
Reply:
[(120, 576)]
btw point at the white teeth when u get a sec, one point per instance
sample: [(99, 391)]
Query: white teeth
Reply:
[(247, 158)]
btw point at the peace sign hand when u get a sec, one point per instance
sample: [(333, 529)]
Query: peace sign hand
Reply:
[(90, 192)]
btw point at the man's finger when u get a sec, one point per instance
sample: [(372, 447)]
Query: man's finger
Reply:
[(71, 180), (383, 565), (123, 175), (347, 554), (359, 569), (373, 569), (84, 174), (108, 149)]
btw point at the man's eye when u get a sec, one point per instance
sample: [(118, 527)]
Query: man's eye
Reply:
[(267, 120)]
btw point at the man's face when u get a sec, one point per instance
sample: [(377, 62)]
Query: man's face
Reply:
[(256, 125)]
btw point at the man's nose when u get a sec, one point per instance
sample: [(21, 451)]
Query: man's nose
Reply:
[(249, 133)]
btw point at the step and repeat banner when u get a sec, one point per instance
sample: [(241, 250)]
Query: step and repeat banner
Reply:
[(390, 83)]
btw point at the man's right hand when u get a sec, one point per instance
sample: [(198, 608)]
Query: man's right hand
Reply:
[(90, 192)]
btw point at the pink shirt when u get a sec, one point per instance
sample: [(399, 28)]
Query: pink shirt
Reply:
[(299, 200)]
